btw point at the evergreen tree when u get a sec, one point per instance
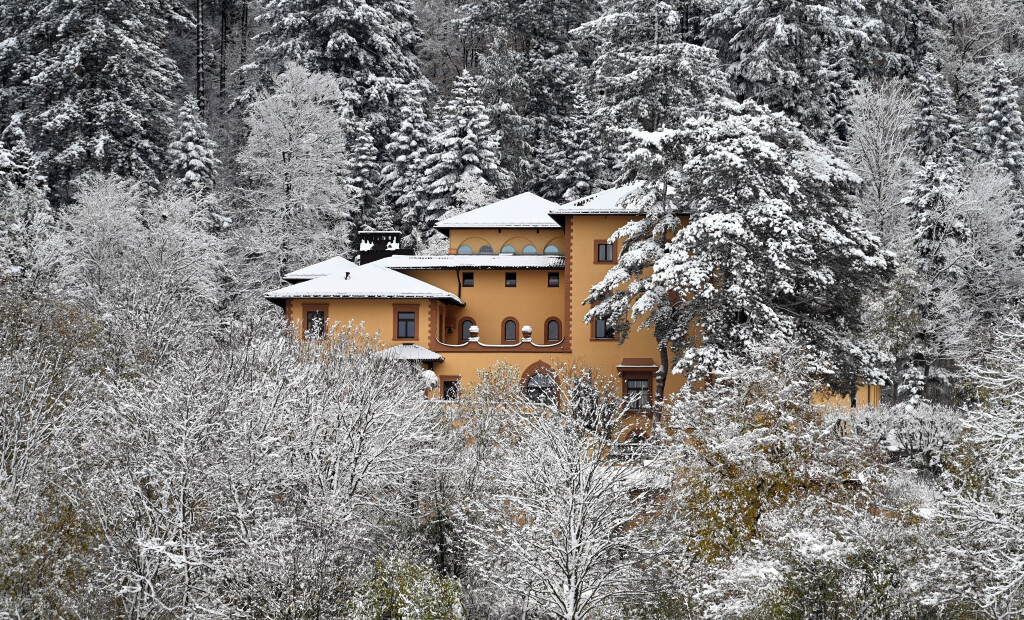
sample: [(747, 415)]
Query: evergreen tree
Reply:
[(645, 75), (774, 250), (794, 57), (191, 152), (364, 177), (95, 84), (936, 230), (464, 149), (19, 167), (367, 44), (405, 156), (936, 126), (998, 128), (579, 160)]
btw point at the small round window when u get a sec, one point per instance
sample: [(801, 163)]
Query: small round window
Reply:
[(486, 249), (465, 249), (508, 249), (529, 250), (552, 249)]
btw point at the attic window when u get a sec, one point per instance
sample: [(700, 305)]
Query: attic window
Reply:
[(465, 249), (529, 250), (486, 249), (552, 249), (508, 249)]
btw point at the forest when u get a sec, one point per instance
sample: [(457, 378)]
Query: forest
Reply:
[(853, 177)]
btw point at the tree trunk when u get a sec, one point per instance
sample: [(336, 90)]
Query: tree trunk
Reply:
[(660, 379), (243, 52), (200, 58), (226, 11)]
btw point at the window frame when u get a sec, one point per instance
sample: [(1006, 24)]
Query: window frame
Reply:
[(504, 325), (557, 251), (547, 330), (489, 252), (529, 249), (462, 322), (472, 279), (597, 252), (514, 279), (639, 376), (609, 335), (415, 310), (557, 279), (449, 379), (306, 309), (466, 246), (507, 246)]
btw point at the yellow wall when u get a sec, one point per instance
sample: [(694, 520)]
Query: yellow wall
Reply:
[(496, 238), (377, 315)]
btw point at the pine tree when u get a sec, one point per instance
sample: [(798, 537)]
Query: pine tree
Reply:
[(19, 167), (367, 44), (95, 85), (774, 250), (645, 75), (191, 152), (579, 160), (464, 149), (364, 177), (405, 156), (794, 57), (998, 128), (935, 231), (936, 125)]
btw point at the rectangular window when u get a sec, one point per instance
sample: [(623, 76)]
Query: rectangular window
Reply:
[(638, 393), (450, 390), (510, 279), (553, 279), (467, 278), (316, 323), (602, 330), (605, 252), (404, 322)]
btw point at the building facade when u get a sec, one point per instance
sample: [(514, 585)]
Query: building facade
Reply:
[(511, 289)]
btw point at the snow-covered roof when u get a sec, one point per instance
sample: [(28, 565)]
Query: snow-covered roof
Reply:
[(601, 203), (365, 282), (523, 211), (323, 268), (412, 352), (474, 261)]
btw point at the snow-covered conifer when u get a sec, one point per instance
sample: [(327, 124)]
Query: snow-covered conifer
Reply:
[(80, 116), (364, 177), (580, 157), (191, 152), (465, 147), (794, 57), (19, 166), (645, 75), (936, 126), (404, 158), (998, 128), (773, 250)]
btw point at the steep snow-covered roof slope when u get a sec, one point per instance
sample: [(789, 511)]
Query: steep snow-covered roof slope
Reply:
[(601, 203), (523, 211), (328, 267), (473, 261), (365, 282)]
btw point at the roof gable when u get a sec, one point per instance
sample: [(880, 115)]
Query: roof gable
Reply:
[(602, 203), (525, 210)]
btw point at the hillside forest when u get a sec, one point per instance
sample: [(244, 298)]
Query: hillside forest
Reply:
[(853, 176)]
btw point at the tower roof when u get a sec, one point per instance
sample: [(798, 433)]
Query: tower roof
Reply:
[(523, 211)]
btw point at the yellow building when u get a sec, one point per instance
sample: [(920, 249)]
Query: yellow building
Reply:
[(510, 289)]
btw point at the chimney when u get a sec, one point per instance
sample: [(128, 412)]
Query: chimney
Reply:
[(377, 244)]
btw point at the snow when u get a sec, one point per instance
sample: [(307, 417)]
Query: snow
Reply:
[(525, 210), (411, 352), (364, 282), (473, 261), (602, 203), (331, 266)]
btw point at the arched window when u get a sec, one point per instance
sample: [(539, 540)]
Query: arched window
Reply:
[(464, 330), (529, 250), (465, 249), (552, 249), (508, 249), (510, 331), (553, 331), (486, 249), (541, 388)]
